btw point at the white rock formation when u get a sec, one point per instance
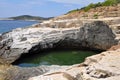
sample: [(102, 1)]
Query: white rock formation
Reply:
[(95, 35)]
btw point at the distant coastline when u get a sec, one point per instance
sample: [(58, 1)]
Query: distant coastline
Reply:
[(6, 19), (27, 18), (18, 20)]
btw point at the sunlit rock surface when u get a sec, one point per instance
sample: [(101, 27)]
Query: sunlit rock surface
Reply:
[(104, 66), (9, 72), (95, 35)]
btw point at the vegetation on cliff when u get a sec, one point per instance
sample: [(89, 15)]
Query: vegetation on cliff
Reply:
[(99, 4)]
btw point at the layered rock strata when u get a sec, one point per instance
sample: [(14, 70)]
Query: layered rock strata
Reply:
[(94, 13), (95, 35)]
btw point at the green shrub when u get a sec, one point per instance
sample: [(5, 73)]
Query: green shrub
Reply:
[(105, 3), (73, 10), (89, 7), (95, 16), (110, 2)]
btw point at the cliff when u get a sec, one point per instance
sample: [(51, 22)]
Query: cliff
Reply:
[(93, 13), (94, 35), (74, 30)]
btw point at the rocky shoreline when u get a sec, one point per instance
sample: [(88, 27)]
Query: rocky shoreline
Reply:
[(95, 35), (104, 66)]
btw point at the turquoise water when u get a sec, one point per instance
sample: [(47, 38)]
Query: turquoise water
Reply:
[(59, 57), (7, 25)]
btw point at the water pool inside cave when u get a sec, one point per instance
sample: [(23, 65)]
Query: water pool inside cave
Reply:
[(54, 57)]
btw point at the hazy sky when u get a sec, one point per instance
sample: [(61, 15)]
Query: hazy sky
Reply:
[(43, 8)]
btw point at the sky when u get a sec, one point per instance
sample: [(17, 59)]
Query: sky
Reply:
[(42, 8)]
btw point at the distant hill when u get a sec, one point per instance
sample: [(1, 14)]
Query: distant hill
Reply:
[(29, 17)]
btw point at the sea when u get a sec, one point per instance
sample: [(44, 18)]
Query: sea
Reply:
[(8, 25)]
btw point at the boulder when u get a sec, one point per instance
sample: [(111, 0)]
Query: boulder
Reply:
[(10, 72), (94, 35)]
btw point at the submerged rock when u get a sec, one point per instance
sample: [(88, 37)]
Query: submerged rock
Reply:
[(95, 35)]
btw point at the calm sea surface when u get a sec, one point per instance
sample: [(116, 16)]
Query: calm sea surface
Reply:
[(7, 25)]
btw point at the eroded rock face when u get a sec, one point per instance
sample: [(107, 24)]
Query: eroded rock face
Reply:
[(100, 12), (9, 72), (104, 66), (95, 35)]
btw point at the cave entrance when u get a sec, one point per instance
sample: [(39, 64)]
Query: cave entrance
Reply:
[(54, 57)]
